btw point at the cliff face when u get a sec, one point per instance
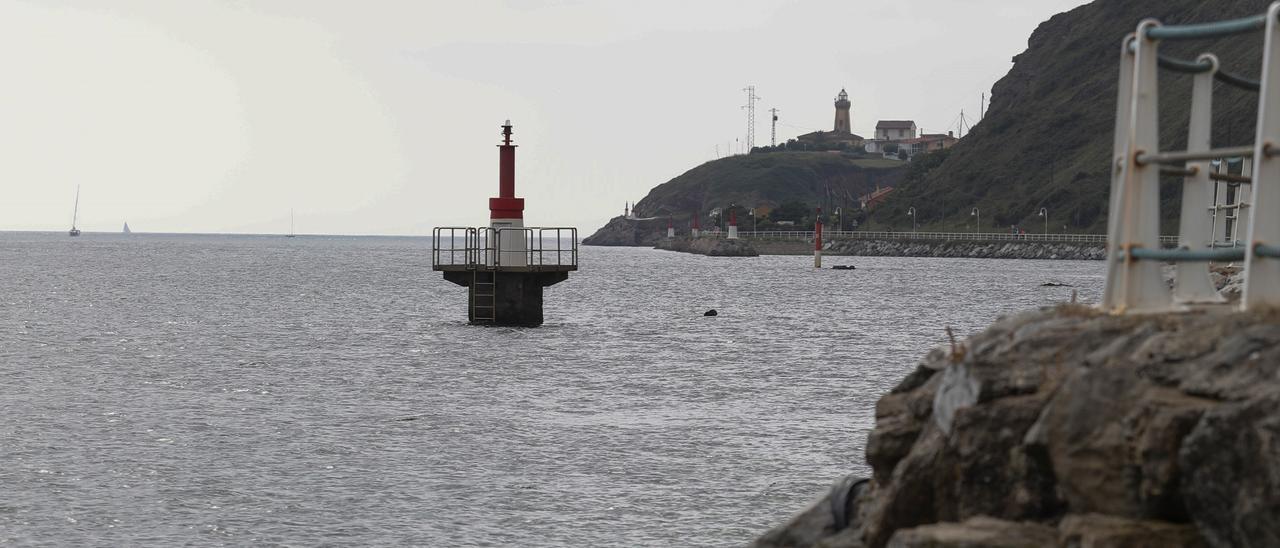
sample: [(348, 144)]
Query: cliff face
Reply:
[(1047, 136), (1068, 427), (764, 180), (620, 231)]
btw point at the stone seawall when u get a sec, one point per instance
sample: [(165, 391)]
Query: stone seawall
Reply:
[(937, 248), (1075, 428), (714, 247)]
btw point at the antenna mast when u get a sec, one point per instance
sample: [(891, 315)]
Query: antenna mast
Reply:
[(75, 211), (773, 129), (751, 117)]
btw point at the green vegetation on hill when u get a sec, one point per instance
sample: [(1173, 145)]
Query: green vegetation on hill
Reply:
[(763, 180), (1047, 137)]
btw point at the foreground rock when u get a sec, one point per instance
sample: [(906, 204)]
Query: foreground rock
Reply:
[(1068, 427), (715, 247)]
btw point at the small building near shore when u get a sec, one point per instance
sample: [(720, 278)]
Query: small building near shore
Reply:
[(872, 199), (928, 142), (895, 130)]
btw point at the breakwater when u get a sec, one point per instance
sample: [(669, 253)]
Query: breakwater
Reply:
[(714, 247), (938, 248)]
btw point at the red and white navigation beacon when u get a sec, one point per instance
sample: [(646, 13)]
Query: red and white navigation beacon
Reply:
[(693, 232), (506, 264), (671, 229), (817, 240), (733, 223)]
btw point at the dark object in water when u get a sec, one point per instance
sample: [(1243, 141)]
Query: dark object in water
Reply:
[(844, 267), (844, 498), (1054, 284), (711, 312)]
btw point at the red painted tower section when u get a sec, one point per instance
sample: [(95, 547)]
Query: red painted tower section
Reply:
[(817, 240), (817, 231), (506, 206)]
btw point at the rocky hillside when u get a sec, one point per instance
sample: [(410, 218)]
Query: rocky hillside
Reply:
[(1071, 427), (1047, 136), (764, 180)]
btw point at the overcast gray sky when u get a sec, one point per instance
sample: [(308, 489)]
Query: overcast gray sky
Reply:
[(381, 117)]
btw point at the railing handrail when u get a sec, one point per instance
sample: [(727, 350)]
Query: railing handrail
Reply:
[(483, 247), (1225, 217)]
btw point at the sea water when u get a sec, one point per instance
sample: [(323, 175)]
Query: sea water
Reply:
[(211, 390)]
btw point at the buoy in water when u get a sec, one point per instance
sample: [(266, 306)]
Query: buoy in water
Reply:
[(711, 312)]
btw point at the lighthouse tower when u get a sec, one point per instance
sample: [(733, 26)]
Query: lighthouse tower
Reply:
[(842, 113), (505, 265), (506, 211)]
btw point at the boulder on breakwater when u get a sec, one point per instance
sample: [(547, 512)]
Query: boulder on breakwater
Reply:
[(715, 247), (938, 248), (973, 249), (1070, 427)]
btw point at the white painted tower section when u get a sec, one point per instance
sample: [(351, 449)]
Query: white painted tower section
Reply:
[(512, 244)]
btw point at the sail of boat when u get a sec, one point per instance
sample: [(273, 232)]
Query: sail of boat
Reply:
[(75, 213), (290, 234), (126, 228)]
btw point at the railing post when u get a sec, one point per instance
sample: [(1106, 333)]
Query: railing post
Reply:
[(1141, 286), (1244, 202), (1219, 201), (1192, 283), (1262, 274), (1119, 167)]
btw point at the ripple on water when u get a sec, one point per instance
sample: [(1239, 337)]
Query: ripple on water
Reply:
[(239, 389)]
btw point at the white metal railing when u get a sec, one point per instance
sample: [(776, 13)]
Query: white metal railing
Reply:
[(533, 248), (807, 235), (1218, 206)]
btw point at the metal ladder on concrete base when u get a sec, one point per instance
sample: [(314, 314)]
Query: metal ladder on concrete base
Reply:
[(484, 296)]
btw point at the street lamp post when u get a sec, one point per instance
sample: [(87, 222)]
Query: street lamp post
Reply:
[(978, 226), (1045, 213), (911, 212)]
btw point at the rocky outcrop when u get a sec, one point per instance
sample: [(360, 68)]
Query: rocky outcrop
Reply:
[(714, 247), (620, 231), (762, 180), (1070, 427)]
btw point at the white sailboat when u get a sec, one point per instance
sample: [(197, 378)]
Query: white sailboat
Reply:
[(290, 234), (126, 228), (74, 213)]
